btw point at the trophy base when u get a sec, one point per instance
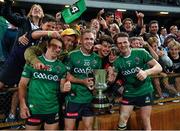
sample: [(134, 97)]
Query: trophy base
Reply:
[(101, 106), (101, 111)]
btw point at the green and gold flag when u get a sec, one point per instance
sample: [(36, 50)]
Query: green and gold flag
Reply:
[(74, 11)]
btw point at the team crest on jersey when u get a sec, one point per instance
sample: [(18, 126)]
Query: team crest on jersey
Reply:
[(129, 63), (94, 62), (58, 69), (137, 60), (78, 62)]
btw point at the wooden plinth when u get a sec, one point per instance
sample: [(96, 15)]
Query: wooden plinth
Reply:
[(163, 117), (104, 122)]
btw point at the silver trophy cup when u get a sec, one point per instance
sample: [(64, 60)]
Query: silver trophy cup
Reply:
[(100, 102)]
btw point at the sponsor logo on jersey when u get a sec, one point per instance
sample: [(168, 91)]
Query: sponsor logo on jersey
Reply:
[(130, 71), (87, 70), (45, 76)]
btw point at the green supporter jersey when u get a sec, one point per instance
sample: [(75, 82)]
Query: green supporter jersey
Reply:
[(81, 66), (3, 27), (127, 66), (44, 86)]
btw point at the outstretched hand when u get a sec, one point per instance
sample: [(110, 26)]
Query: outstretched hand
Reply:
[(101, 12), (139, 14), (58, 16)]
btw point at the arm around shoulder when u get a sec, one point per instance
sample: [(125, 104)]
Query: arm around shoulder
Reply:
[(31, 54)]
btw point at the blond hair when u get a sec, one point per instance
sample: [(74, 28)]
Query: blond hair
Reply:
[(152, 40), (174, 44), (30, 12)]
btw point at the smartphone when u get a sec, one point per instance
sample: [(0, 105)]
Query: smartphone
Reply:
[(118, 14)]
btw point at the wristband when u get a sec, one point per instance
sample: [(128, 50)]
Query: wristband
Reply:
[(49, 33)]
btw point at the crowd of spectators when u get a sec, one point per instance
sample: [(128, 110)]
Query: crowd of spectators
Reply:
[(24, 38)]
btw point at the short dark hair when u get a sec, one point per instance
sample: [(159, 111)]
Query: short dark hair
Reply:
[(172, 27), (82, 22), (127, 19), (48, 18), (153, 22), (50, 39), (86, 31), (108, 13), (106, 38), (121, 34), (162, 28)]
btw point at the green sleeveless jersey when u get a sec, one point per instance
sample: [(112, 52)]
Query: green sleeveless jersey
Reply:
[(44, 86), (127, 66), (81, 66)]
